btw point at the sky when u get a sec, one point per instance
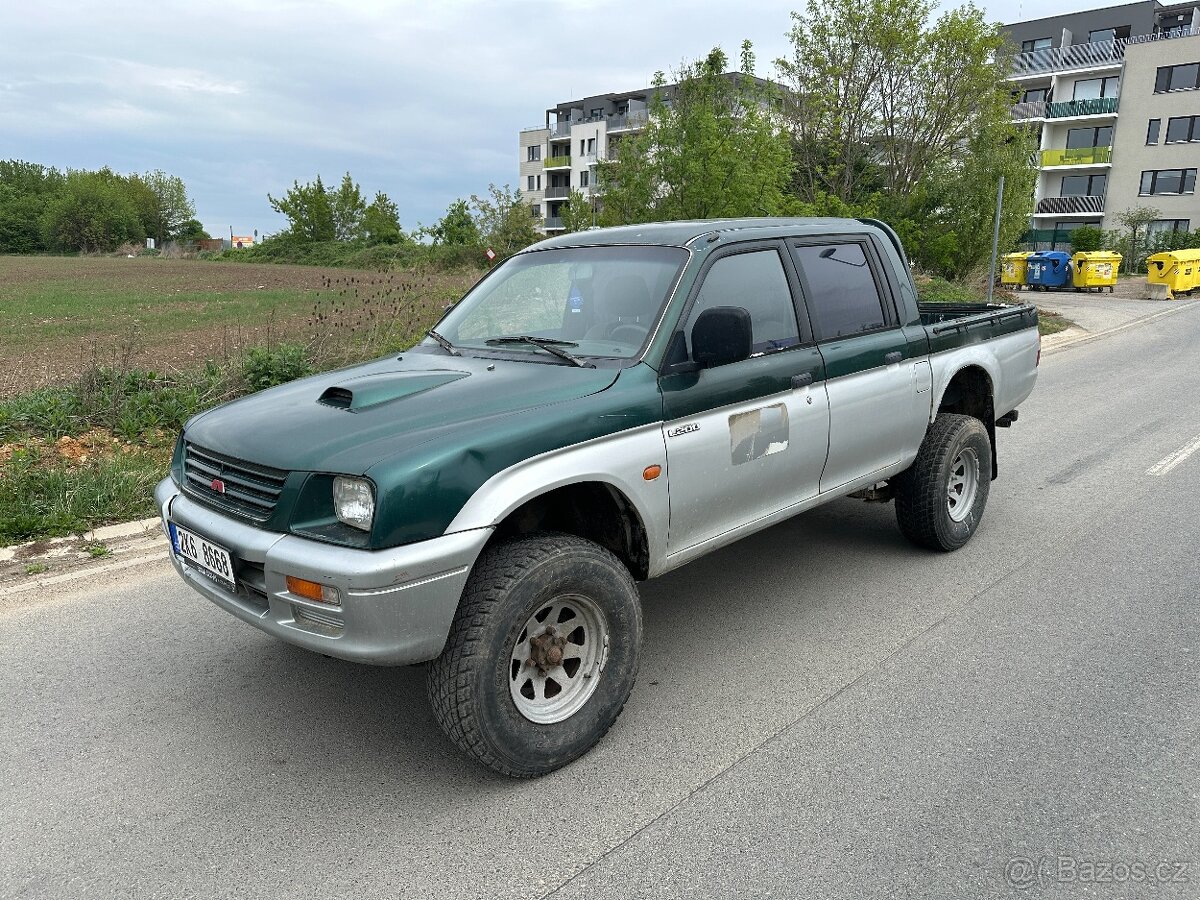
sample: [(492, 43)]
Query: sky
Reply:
[(423, 101)]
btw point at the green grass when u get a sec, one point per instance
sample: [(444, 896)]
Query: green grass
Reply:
[(939, 290), (40, 497)]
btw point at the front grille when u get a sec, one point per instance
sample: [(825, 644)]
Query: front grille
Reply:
[(251, 490)]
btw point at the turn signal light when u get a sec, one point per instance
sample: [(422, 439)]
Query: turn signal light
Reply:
[(311, 590), (651, 472)]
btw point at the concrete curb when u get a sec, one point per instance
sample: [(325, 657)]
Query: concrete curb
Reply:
[(142, 527), (1049, 347)]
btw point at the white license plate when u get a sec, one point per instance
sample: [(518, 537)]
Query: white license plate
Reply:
[(210, 559)]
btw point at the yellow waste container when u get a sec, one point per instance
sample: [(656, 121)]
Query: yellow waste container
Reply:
[(1095, 270), (1012, 269), (1179, 270)]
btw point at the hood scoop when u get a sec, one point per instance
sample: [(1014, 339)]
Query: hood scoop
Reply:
[(372, 390)]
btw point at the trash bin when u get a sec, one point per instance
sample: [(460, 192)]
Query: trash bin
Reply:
[(1095, 270), (1012, 269), (1048, 269), (1179, 270)]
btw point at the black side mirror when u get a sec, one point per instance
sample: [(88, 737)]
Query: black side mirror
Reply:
[(722, 335)]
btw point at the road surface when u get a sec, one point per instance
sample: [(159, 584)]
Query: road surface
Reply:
[(823, 711)]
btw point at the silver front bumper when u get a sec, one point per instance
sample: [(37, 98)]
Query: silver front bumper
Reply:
[(396, 605)]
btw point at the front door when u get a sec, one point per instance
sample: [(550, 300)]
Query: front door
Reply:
[(747, 439)]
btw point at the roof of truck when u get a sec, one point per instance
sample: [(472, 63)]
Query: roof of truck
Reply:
[(680, 234)]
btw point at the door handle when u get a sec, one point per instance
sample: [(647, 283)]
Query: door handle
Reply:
[(804, 379), (894, 357)]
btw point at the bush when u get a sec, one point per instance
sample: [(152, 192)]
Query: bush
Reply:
[(1086, 239), (407, 254), (265, 367)]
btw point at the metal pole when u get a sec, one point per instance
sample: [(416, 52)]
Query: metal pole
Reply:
[(995, 239)]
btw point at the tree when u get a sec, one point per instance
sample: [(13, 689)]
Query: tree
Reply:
[(1086, 238), (349, 209), (1134, 218), (897, 113), (92, 212), (163, 203), (309, 211), (716, 149), (578, 213), (457, 228), (381, 221), (504, 221), (25, 189), (192, 231)]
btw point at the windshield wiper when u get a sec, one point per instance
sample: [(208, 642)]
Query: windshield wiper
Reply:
[(445, 344), (550, 345)]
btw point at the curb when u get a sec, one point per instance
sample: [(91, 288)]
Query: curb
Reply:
[(140, 528), (1088, 336)]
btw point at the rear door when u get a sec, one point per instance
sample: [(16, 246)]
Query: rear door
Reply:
[(747, 439), (869, 362)]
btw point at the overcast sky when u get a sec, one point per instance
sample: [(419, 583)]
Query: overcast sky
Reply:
[(421, 100)]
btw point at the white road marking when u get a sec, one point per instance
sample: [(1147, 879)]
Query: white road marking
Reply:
[(1167, 463)]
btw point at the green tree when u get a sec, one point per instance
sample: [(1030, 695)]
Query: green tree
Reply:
[(381, 221), (162, 202), (578, 213), (1087, 238), (897, 112), (349, 210), (457, 228), (92, 212), (192, 230), (1134, 219), (25, 189), (309, 211), (503, 220), (716, 149)]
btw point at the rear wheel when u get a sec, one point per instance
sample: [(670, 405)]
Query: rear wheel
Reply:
[(941, 497), (542, 654)]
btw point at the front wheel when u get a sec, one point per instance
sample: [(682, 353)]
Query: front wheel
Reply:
[(542, 654), (941, 496)]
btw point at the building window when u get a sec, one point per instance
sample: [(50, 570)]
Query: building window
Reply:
[(1159, 226), (1152, 131), (535, 210), (622, 109), (1183, 128), (1035, 95), (1105, 35), (1168, 181), (583, 178), (535, 153), (1036, 44), (1089, 137), (591, 145), (1095, 88), (1083, 185), (1177, 78), (529, 184), (581, 145)]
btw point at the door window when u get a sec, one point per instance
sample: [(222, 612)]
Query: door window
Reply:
[(756, 282), (842, 296)]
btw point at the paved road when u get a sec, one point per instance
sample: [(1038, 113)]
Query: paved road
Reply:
[(823, 711)]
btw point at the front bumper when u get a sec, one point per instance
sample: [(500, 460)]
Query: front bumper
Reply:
[(396, 605)]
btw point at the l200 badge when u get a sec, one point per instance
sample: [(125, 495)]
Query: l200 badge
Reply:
[(683, 429)]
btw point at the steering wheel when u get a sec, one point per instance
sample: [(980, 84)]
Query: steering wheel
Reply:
[(629, 334)]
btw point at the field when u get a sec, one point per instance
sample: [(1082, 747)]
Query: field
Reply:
[(60, 316)]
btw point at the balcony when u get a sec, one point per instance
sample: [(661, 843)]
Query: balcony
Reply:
[(558, 193), (558, 162), (1077, 156), (553, 223), (636, 119), (560, 129), (1066, 59), (1070, 206), (1030, 109), (1101, 106)]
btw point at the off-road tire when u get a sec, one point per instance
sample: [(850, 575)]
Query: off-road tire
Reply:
[(469, 683), (922, 511)]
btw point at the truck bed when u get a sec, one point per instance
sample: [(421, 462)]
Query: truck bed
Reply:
[(944, 317)]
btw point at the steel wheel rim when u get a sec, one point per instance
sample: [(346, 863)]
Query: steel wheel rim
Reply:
[(546, 689), (963, 484)]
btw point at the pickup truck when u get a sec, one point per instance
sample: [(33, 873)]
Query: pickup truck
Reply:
[(597, 410)]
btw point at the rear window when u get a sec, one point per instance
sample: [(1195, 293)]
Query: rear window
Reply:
[(840, 290)]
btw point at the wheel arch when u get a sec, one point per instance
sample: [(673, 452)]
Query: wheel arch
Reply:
[(971, 391)]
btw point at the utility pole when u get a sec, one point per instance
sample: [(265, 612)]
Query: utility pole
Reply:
[(995, 239)]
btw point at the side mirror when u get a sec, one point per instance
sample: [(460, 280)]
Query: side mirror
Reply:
[(722, 335)]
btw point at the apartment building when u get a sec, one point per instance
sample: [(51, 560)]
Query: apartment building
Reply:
[(1115, 94)]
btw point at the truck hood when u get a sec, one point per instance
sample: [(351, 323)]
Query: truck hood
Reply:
[(346, 421)]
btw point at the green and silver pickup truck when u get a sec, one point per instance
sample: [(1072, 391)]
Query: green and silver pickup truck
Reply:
[(601, 408)]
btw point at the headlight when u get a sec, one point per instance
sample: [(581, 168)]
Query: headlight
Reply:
[(354, 501)]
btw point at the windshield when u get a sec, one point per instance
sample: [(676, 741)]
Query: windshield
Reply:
[(593, 301)]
